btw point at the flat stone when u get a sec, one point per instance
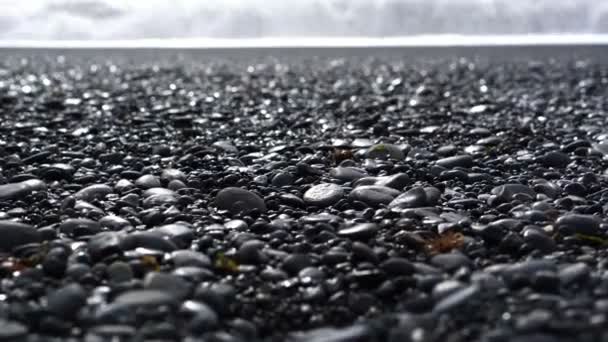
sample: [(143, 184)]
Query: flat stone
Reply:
[(237, 200), (179, 233), (374, 195), (451, 261), (190, 258), (146, 298), (323, 195), (79, 227), (149, 240), (385, 151), (361, 231), (158, 191), (158, 200), (114, 222), (21, 189), (148, 182), (397, 266), (358, 332), (282, 179), (464, 160), (397, 181), (93, 192), (555, 159), (570, 224), (169, 175), (507, 192), (456, 299), (347, 174), (14, 234), (413, 198)]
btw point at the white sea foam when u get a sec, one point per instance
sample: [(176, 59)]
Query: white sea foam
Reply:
[(113, 20)]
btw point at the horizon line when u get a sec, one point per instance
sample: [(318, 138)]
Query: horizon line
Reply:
[(442, 40)]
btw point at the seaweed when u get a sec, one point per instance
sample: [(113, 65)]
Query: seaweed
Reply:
[(444, 243)]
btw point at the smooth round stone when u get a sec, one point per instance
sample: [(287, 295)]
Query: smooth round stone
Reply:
[(508, 191), (413, 198), (312, 273), (104, 244), (347, 174), (236, 224), (158, 191), (14, 234), (146, 298), (397, 266), (123, 185), (294, 263), (187, 257), (175, 185), (119, 272), (12, 331), (464, 160), (204, 317), (169, 175), (237, 200), (158, 200), (571, 224), (282, 179), (108, 332), (456, 299), (397, 181), (555, 159), (356, 332), (445, 288), (225, 146), (148, 182), (362, 251), (575, 273), (250, 252), (261, 179), (217, 295), (529, 268), (451, 261), (169, 283), (67, 301), (79, 227), (549, 189), (374, 195), (323, 195), (362, 231), (21, 189), (114, 222), (93, 192), (181, 234), (385, 151), (538, 239), (149, 240)]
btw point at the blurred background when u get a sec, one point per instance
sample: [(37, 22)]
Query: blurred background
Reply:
[(153, 19)]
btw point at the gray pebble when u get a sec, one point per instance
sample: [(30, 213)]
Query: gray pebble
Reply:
[(323, 195)]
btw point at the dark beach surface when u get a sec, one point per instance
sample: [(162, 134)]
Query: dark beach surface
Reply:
[(386, 194)]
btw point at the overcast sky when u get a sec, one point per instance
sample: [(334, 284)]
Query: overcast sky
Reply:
[(137, 19)]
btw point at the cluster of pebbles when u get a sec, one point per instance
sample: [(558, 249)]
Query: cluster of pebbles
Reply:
[(233, 201)]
